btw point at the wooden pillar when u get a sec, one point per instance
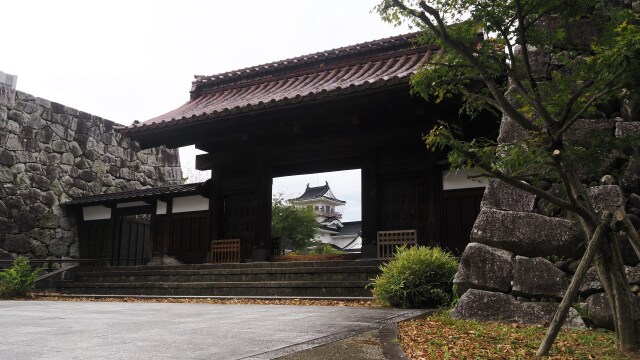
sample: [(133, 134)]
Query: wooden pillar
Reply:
[(151, 234), (216, 204), (166, 244), (262, 238), (114, 235), (369, 178)]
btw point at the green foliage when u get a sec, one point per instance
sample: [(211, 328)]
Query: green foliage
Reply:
[(545, 66), (19, 279), (585, 71), (317, 247), (294, 225), (417, 277)]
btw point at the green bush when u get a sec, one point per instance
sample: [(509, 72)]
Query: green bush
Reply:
[(19, 279), (418, 277), (318, 248)]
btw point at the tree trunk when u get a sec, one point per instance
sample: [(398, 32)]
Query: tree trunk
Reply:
[(572, 291), (611, 274), (626, 320)]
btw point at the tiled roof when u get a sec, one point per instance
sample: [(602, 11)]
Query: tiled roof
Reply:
[(347, 70), (351, 228), (318, 192), (133, 195)]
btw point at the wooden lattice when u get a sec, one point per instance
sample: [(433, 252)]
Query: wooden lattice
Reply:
[(388, 241), (225, 251)]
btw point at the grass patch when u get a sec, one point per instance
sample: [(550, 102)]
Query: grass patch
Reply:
[(441, 337)]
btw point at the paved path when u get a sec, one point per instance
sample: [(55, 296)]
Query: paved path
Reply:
[(94, 330)]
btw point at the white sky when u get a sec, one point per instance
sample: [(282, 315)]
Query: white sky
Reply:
[(134, 60)]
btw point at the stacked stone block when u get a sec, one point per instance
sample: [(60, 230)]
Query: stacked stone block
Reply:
[(49, 154), (522, 255)]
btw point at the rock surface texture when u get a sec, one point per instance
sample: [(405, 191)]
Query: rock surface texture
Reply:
[(545, 241), (492, 306), (524, 250), (49, 154)]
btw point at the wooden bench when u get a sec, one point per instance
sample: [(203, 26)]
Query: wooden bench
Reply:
[(225, 251), (388, 241)]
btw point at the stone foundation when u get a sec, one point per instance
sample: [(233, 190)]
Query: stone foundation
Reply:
[(524, 252)]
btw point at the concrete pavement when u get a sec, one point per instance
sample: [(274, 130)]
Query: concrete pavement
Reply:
[(96, 330)]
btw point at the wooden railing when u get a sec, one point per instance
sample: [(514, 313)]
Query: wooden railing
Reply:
[(388, 241), (225, 251)]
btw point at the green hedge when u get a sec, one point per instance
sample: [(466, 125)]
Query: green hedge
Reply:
[(19, 279), (417, 277)]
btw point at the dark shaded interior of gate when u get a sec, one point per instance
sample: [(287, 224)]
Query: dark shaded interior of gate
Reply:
[(380, 133)]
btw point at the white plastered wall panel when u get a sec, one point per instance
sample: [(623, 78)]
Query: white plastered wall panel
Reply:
[(454, 180), (190, 203), (98, 212)]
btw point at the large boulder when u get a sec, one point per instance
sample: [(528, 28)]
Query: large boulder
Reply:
[(600, 311), (502, 196), (484, 267), (510, 131), (592, 284), (606, 198), (631, 107), (630, 175), (538, 278), (483, 305), (17, 243), (583, 129), (527, 234), (624, 128)]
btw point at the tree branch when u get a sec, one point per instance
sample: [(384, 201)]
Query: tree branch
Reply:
[(522, 39), (439, 29), (568, 123), (522, 185), (569, 296), (634, 238), (576, 95)]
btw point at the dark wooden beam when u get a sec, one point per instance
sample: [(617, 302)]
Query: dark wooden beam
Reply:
[(369, 178)]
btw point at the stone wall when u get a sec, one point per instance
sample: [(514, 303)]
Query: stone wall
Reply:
[(524, 251), (49, 154)]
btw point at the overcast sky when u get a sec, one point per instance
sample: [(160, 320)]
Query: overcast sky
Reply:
[(134, 60)]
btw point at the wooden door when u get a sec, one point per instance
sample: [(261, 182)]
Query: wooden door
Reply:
[(132, 245), (461, 207), (95, 239), (403, 206), (190, 240), (239, 218)]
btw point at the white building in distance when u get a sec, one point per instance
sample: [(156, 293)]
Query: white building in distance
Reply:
[(328, 211)]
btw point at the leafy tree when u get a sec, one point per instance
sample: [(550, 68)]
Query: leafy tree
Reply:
[(295, 225), (19, 279), (491, 60)]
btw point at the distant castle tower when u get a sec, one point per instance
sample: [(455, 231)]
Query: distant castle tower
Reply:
[(328, 211)]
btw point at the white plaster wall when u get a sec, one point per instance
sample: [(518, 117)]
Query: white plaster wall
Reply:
[(190, 203), (452, 180), (96, 213), (324, 236), (161, 208)]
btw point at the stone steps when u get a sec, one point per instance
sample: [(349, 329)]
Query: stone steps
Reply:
[(226, 276), (330, 279)]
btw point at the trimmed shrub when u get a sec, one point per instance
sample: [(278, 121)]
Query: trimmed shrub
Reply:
[(418, 277), (317, 248), (19, 279)]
